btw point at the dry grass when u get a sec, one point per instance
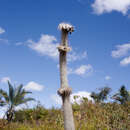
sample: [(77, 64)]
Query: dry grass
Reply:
[(88, 116)]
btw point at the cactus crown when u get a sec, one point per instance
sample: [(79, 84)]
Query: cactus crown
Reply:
[(67, 27)]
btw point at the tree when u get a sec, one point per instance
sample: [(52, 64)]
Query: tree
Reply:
[(122, 96), (13, 98), (101, 95)]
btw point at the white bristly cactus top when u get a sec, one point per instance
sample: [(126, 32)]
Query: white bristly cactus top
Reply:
[(66, 26)]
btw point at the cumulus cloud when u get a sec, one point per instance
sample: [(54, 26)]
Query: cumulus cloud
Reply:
[(107, 6), (81, 70), (125, 61), (84, 69), (2, 30), (80, 95), (47, 46), (34, 86), (107, 77), (5, 79), (73, 56), (121, 50)]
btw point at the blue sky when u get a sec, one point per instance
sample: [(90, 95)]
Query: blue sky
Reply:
[(100, 45)]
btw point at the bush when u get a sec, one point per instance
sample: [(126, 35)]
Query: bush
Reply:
[(87, 116)]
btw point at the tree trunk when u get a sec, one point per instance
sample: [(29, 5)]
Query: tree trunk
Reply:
[(65, 90), (9, 115)]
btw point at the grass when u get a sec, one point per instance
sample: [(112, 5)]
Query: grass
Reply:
[(87, 116)]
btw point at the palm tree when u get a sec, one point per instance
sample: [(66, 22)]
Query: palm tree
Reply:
[(101, 95), (122, 96), (13, 98)]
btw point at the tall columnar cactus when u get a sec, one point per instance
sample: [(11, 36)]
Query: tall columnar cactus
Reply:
[(65, 90)]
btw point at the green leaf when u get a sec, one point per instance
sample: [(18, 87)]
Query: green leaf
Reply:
[(11, 92)]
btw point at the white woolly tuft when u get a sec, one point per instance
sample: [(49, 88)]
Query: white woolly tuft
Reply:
[(66, 26)]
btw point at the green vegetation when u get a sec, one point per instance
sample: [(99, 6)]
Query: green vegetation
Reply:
[(102, 95), (88, 116), (15, 97), (122, 96)]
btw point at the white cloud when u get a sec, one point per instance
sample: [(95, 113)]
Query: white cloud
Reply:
[(57, 99), (4, 41), (5, 79), (80, 95), (83, 69), (125, 61), (3, 111), (22, 106), (1, 30), (107, 77), (47, 46), (2, 114), (102, 6), (34, 86), (73, 56), (122, 50), (19, 43)]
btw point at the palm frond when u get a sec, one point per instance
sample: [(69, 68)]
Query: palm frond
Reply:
[(24, 92), (17, 93), (20, 94), (18, 90), (11, 92), (25, 100), (4, 95)]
